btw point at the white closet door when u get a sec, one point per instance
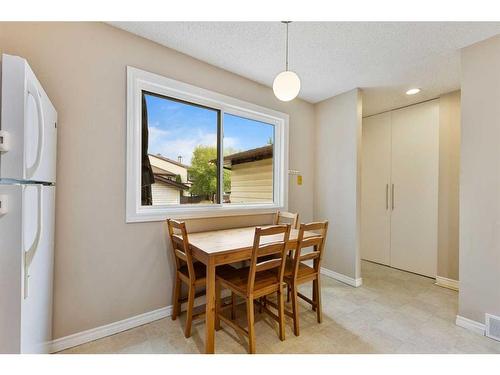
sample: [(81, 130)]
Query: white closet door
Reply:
[(415, 153), (375, 177)]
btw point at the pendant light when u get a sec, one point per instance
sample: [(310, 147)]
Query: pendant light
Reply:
[(286, 85)]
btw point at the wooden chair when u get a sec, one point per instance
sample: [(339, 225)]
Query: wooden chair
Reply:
[(260, 279), (287, 218), (297, 273), (193, 274)]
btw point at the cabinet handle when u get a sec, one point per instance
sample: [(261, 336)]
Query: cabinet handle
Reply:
[(386, 196), (392, 197)]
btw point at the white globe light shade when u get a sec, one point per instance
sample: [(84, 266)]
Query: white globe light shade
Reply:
[(286, 86)]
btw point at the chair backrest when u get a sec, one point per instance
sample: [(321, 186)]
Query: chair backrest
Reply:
[(275, 239), (180, 245), (315, 238), (283, 217)]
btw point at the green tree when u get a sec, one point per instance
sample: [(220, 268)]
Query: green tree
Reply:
[(203, 172)]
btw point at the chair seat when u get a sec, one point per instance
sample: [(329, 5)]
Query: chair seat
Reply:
[(200, 270), (304, 270), (237, 280)]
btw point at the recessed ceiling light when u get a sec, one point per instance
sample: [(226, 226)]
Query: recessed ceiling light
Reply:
[(412, 91)]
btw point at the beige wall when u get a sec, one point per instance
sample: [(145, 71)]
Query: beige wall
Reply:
[(337, 171), (480, 181), (106, 270), (449, 170), (252, 182)]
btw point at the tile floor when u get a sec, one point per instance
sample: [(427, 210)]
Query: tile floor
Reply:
[(393, 312)]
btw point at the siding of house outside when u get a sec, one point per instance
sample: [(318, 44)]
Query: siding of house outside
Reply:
[(252, 182), (164, 194)]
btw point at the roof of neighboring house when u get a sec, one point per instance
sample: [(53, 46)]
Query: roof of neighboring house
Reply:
[(248, 156), (172, 183), (168, 177), (161, 157), (158, 170)]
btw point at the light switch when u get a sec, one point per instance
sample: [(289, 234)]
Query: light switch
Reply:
[(299, 179)]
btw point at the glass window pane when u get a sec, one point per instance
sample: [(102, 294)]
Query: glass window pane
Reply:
[(182, 151), (248, 160)]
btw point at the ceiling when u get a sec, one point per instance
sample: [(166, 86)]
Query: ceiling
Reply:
[(382, 58)]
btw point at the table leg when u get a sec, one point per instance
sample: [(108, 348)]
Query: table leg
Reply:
[(210, 310)]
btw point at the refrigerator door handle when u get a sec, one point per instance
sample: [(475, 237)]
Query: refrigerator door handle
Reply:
[(30, 253), (33, 91)]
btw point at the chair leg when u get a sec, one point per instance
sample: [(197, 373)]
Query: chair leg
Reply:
[(233, 306), (314, 296), (288, 292), (179, 304), (295, 310), (217, 305), (317, 288), (281, 313), (251, 328), (189, 316), (176, 295)]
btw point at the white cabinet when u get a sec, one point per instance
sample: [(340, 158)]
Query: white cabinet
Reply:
[(399, 188), (375, 189)]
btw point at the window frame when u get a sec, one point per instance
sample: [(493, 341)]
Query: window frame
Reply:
[(138, 81)]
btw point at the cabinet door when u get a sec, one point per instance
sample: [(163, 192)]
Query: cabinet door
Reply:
[(375, 180), (414, 189)]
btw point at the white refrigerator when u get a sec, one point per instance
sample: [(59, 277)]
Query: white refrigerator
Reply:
[(28, 136)]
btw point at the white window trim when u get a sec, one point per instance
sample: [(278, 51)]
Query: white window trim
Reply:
[(138, 80)]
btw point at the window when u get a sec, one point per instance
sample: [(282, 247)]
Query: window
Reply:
[(248, 160), (182, 152), (195, 153)]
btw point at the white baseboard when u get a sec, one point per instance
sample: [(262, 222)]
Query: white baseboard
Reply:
[(471, 325), (447, 283), (96, 333), (109, 329), (342, 278)]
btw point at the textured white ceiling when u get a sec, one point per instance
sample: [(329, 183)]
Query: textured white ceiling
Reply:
[(382, 58)]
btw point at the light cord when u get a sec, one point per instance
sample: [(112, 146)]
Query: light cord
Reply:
[(286, 63)]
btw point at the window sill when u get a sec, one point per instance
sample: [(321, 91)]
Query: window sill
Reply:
[(151, 214)]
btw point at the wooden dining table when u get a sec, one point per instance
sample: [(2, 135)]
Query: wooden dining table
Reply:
[(218, 247)]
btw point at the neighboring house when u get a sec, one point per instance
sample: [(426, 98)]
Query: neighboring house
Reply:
[(251, 175), (171, 181)]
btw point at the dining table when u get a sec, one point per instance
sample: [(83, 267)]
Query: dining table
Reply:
[(219, 247)]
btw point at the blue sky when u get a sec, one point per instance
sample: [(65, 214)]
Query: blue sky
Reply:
[(176, 129)]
